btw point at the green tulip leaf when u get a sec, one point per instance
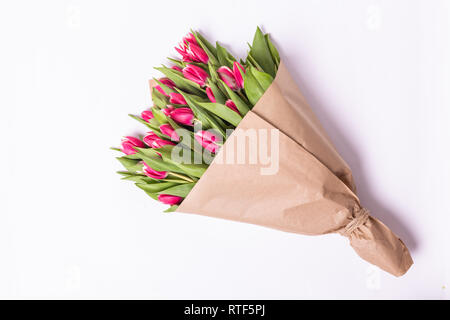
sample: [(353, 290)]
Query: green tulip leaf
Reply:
[(181, 190)]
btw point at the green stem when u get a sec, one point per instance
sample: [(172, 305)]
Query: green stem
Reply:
[(181, 176)]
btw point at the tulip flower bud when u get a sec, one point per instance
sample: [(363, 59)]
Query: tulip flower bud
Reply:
[(190, 51), (183, 116), (208, 140), (167, 110), (177, 68), (128, 144), (238, 70), (177, 98), (169, 131), (147, 115), (169, 199), (210, 95), (230, 104), (153, 141), (152, 173), (227, 75), (196, 74), (167, 82)]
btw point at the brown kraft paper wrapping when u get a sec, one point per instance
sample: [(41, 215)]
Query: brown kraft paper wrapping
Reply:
[(313, 191)]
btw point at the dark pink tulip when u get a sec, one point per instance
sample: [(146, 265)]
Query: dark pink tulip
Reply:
[(153, 141), (177, 98), (227, 75), (190, 51), (190, 38), (169, 131), (210, 95), (147, 115), (167, 110), (177, 68), (196, 74), (197, 54), (169, 199), (167, 82), (230, 104), (183, 116), (208, 140), (152, 173), (238, 69), (128, 144)]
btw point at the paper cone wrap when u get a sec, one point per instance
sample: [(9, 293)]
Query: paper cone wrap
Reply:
[(312, 192)]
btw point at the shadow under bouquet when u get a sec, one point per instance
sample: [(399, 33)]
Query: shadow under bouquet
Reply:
[(237, 140)]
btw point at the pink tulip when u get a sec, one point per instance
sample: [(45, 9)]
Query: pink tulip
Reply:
[(238, 69), (210, 95), (128, 144), (167, 110), (152, 173), (153, 141), (169, 199), (189, 38), (183, 116), (208, 140), (177, 98), (169, 131), (147, 115), (230, 104), (196, 74), (177, 68), (227, 75), (190, 51), (167, 82)]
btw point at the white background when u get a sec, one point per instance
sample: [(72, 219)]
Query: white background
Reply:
[(376, 73)]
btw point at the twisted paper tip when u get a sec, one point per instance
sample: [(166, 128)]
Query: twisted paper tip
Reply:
[(361, 215)]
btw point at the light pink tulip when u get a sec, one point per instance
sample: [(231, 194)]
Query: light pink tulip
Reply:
[(169, 199), (152, 173), (153, 141), (183, 116), (196, 74), (177, 98), (238, 69), (128, 144), (147, 115), (208, 140), (230, 104), (210, 95), (169, 131), (227, 75)]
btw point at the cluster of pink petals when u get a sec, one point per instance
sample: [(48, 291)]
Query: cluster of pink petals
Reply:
[(167, 82), (230, 104), (190, 50), (195, 74), (177, 98), (147, 115), (232, 78), (153, 141), (210, 95), (169, 131), (183, 116), (152, 173), (169, 199), (128, 144), (208, 140)]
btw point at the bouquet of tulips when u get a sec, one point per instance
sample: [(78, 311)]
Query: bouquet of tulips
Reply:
[(205, 109), (202, 96)]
